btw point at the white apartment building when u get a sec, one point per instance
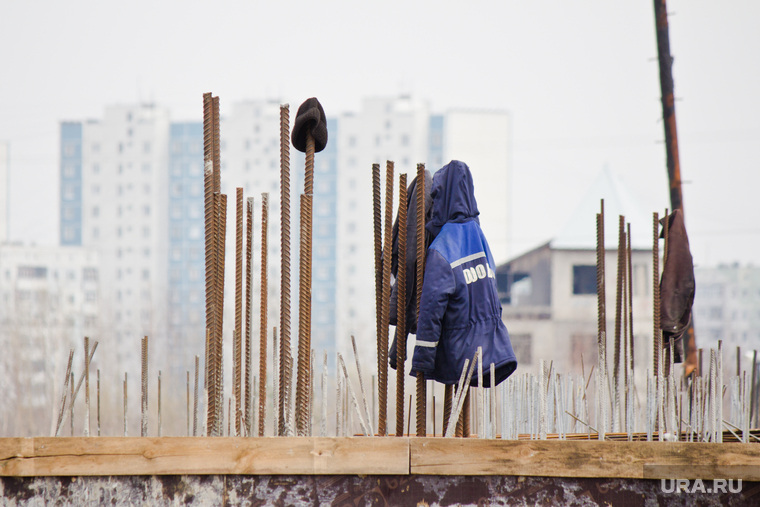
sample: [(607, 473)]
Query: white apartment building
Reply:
[(727, 308), (113, 199), (49, 300)]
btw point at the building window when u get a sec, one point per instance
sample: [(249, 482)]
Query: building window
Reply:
[(32, 272), (90, 274), (584, 280)]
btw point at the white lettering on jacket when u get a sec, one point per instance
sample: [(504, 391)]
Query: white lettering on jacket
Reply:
[(478, 272)]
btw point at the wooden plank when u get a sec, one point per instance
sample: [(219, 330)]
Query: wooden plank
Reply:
[(50, 456), (557, 458)]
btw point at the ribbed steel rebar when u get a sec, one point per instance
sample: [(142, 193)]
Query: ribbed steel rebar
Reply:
[(237, 345), (195, 398), (65, 392), (248, 303), (125, 404), (448, 390), (421, 412), (87, 386), (618, 317), (285, 373), (71, 407), (601, 298), (209, 156), (159, 403), (378, 236), (187, 384), (466, 412), (264, 308), (304, 316), (401, 306), (361, 385), (657, 343), (630, 298), (382, 374), (98, 410), (144, 389), (218, 342)]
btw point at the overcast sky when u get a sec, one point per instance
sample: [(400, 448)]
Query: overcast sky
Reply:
[(580, 79)]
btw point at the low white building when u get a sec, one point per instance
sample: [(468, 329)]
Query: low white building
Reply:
[(49, 300)]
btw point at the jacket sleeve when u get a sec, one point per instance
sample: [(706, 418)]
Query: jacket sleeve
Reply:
[(438, 285)]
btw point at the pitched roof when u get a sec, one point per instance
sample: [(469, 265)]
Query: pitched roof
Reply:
[(579, 232)]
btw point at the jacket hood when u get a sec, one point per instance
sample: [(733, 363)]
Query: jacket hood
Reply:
[(453, 196)]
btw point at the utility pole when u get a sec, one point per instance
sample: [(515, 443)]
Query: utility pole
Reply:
[(671, 145)]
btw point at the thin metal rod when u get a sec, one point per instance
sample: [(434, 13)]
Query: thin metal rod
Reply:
[(159, 403), (65, 393), (71, 406), (617, 382), (421, 390), (448, 390), (87, 386), (195, 398), (144, 389), (263, 330), (237, 345), (361, 385), (303, 378), (630, 298), (187, 386), (382, 374), (378, 236), (125, 404), (98, 373), (401, 306), (285, 373)]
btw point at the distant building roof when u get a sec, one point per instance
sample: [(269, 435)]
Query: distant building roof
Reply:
[(579, 232)]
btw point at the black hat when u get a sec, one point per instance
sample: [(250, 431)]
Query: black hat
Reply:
[(310, 118)]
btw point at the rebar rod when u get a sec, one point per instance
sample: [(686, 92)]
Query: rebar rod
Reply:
[(285, 373), (304, 317), (352, 393), (98, 409), (382, 375), (187, 398), (125, 404), (86, 386), (218, 342), (630, 297), (210, 156), (304, 301), (601, 323), (401, 306), (264, 308), (195, 398), (447, 392), (237, 345), (248, 321), (65, 392), (159, 403), (421, 391), (71, 407), (275, 383), (753, 389), (667, 349), (361, 385), (144, 389), (656, 294), (616, 373), (492, 404), (378, 237)]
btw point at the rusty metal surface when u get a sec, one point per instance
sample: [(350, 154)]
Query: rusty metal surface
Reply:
[(237, 344), (382, 374), (355, 491), (285, 373), (421, 412), (401, 306), (263, 314), (377, 222)]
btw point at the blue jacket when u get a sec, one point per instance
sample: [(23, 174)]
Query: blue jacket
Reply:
[(459, 309)]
